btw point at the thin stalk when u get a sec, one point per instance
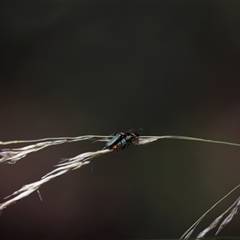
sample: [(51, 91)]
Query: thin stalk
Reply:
[(188, 233)]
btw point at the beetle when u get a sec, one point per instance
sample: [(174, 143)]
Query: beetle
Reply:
[(122, 140)]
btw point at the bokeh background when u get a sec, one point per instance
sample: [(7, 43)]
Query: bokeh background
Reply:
[(70, 69)]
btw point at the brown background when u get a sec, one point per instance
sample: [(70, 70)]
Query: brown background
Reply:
[(70, 69)]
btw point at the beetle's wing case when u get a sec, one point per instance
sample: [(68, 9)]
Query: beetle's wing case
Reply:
[(126, 140), (113, 141)]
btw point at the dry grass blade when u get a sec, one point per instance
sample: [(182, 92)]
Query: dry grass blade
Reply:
[(143, 141), (13, 155), (218, 219), (71, 164), (230, 216), (210, 227), (188, 233), (67, 139)]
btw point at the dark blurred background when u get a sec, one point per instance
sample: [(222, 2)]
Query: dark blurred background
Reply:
[(70, 69)]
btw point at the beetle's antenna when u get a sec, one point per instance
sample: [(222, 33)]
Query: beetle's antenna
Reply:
[(143, 131)]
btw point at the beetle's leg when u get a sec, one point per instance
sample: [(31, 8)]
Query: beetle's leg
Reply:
[(123, 146), (127, 145)]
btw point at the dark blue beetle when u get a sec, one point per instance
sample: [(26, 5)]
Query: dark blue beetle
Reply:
[(122, 140)]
